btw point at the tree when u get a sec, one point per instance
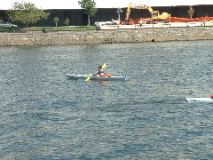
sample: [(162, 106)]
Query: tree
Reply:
[(89, 7), (191, 11), (26, 13), (67, 21), (56, 20)]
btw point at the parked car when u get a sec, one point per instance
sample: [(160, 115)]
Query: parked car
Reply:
[(8, 25)]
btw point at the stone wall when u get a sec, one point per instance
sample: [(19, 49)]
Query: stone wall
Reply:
[(110, 36)]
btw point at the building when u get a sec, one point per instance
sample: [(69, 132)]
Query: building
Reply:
[(108, 9)]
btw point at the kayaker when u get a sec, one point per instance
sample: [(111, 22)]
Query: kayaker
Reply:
[(100, 71)]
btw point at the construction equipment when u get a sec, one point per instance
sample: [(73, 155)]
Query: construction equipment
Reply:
[(154, 13)]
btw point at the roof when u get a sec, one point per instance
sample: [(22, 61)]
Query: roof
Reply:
[(73, 4)]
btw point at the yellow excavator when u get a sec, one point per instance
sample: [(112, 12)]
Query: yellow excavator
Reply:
[(155, 15)]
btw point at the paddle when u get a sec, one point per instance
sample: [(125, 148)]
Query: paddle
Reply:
[(104, 65), (90, 76)]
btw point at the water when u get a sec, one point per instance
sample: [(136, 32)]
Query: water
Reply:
[(45, 116)]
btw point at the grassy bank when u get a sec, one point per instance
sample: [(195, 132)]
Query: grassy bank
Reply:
[(48, 29)]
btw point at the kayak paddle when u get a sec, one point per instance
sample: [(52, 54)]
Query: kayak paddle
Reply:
[(88, 78)]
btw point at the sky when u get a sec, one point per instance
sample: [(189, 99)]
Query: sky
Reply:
[(73, 4)]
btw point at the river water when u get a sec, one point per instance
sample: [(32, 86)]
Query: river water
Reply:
[(45, 116)]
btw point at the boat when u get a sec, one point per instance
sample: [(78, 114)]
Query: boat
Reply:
[(200, 100), (96, 78)]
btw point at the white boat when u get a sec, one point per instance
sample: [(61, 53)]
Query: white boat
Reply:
[(199, 100)]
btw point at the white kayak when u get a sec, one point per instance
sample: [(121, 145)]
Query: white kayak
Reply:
[(199, 100), (96, 78)]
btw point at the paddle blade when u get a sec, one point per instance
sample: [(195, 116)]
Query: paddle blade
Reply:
[(87, 79), (104, 65)]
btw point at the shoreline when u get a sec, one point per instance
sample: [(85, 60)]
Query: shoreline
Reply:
[(106, 36)]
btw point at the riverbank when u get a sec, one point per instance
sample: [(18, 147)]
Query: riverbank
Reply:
[(106, 36)]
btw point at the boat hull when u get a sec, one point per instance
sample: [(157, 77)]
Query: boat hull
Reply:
[(96, 78), (199, 100)]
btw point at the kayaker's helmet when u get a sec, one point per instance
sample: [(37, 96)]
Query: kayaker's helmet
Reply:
[(100, 67)]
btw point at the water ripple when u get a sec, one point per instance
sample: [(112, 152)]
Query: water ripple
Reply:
[(44, 116)]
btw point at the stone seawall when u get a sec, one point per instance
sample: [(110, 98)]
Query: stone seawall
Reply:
[(106, 36)]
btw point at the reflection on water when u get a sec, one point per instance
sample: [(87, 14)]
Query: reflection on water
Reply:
[(43, 115)]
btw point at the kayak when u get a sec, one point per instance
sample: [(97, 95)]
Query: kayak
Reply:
[(199, 100), (96, 78)]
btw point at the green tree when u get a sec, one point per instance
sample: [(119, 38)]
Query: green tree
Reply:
[(89, 7), (67, 21), (26, 13), (56, 20), (191, 11)]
